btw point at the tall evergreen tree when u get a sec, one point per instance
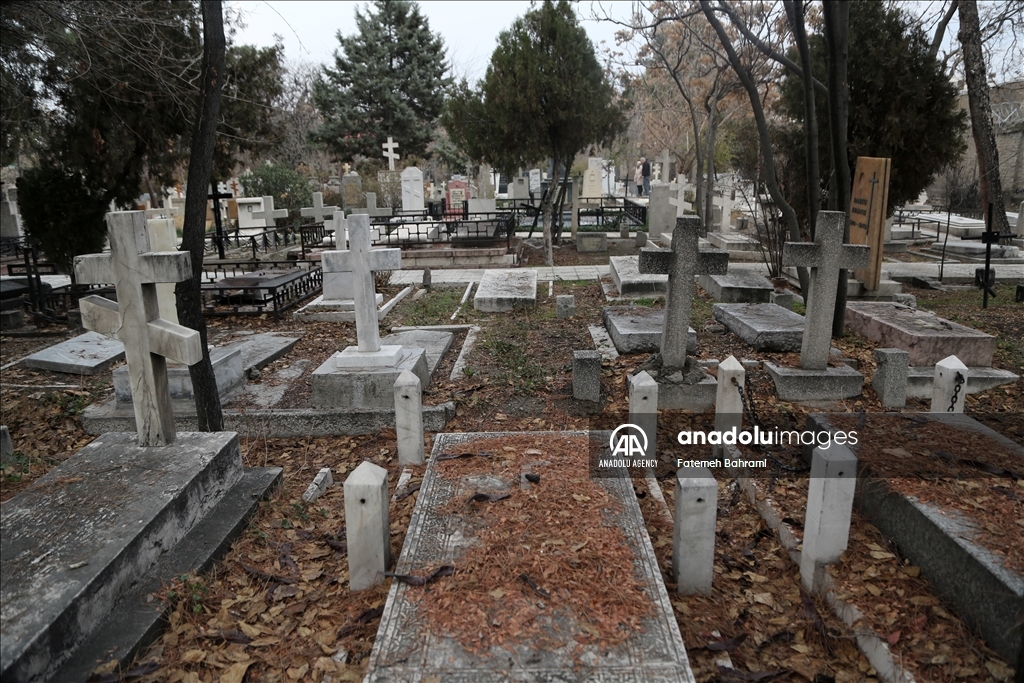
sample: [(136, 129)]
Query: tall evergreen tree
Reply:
[(544, 96), (388, 79)]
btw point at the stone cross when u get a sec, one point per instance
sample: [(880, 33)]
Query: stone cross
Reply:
[(825, 256), (681, 264), (347, 166), (318, 211), (389, 152), (269, 213), (169, 210), (148, 339), (361, 261)]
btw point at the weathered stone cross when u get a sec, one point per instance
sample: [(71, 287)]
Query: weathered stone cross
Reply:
[(361, 261), (135, 319), (269, 213), (665, 160), (681, 264), (825, 256), (318, 211), (389, 153)]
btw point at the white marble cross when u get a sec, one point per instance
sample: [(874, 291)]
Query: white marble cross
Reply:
[(825, 256), (389, 153), (269, 213), (318, 211), (135, 319), (361, 261), (684, 261)]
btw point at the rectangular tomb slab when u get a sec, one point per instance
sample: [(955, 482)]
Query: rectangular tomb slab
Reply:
[(75, 540), (638, 329), (409, 647), (435, 343), (227, 369), (737, 287), (365, 387), (503, 290), (625, 271), (766, 327), (86, 354), (927, 337)]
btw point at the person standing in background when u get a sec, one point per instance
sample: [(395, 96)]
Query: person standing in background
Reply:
[(646, 170), (638, 177)]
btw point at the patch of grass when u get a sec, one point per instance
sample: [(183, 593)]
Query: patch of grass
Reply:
[(799, 308), (700, 311), (435, 307), (517, 369), (645, 301)]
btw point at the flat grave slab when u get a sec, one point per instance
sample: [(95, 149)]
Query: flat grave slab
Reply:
[(734, 242), (227, 369), (86, 354), (535, 628), (259, 350), (503, 290), (766, 327), (625, 272), (638, 329), (959, 226), (435, 343), (927, 337), (75, 540), (330, 310), (737, 287), (365, 387)]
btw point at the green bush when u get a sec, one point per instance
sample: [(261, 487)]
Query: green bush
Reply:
[(288, 188)]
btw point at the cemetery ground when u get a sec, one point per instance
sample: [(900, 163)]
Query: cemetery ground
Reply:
[(277, 607)]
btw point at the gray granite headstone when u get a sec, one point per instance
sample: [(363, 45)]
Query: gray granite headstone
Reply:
[(890, 381), (565, 306), (503, 290), (586, 375)]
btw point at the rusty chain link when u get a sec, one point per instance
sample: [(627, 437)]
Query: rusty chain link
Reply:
[(956, 392), (748, 409)]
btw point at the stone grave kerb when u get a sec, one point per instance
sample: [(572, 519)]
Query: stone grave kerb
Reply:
[(318, 211), (682, 263), (269, 213), (362, 261), (135, 320), (825, 256)]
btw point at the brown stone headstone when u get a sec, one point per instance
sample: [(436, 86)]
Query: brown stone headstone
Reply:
[(868, 206)]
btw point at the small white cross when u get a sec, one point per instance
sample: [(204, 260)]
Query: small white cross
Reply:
[(389, 153), (318, 210), (149, 340), (269, 213)]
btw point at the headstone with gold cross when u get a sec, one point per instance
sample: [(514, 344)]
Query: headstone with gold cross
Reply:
[(148, 339)]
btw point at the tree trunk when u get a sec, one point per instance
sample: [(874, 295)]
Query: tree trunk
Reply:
[(771, 179), (837, 34), (190, 310), (795, 11), (709, 151), (990, 185)]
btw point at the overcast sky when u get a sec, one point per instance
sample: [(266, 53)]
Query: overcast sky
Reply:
[(470, 29)]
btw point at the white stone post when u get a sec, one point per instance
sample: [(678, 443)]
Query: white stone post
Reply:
[(693, 536), (946, 384), (367, 527), (728, 406), (829, 505), (409, 419), (643, 408)]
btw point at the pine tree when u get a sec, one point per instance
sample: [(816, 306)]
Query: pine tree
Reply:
[(544, 96), (388, 79)]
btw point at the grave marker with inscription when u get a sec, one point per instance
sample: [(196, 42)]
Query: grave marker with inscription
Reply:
[(868, 205)]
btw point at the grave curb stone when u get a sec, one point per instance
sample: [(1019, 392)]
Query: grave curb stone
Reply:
[(830, 384), (971, 578)]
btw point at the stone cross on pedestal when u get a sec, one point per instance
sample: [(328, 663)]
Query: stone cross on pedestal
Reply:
[(169, 210), (318, 211), (361, 261), (825, 256), (269, 213), (389, 153), (684, 261), (148, 339)]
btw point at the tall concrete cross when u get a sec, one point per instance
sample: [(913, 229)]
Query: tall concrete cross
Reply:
[(682, 263), (825, 256), (665, 160), (318, 211), (361, 261), (135, 319), (389, 153), (269, 213)]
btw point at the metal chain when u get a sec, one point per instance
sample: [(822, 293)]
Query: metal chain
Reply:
[(956, 392), (748, 409)]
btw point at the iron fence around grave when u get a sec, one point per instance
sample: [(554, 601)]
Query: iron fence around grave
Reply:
[(266, 241), (436, 226), (258, 287), (612, 210)]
